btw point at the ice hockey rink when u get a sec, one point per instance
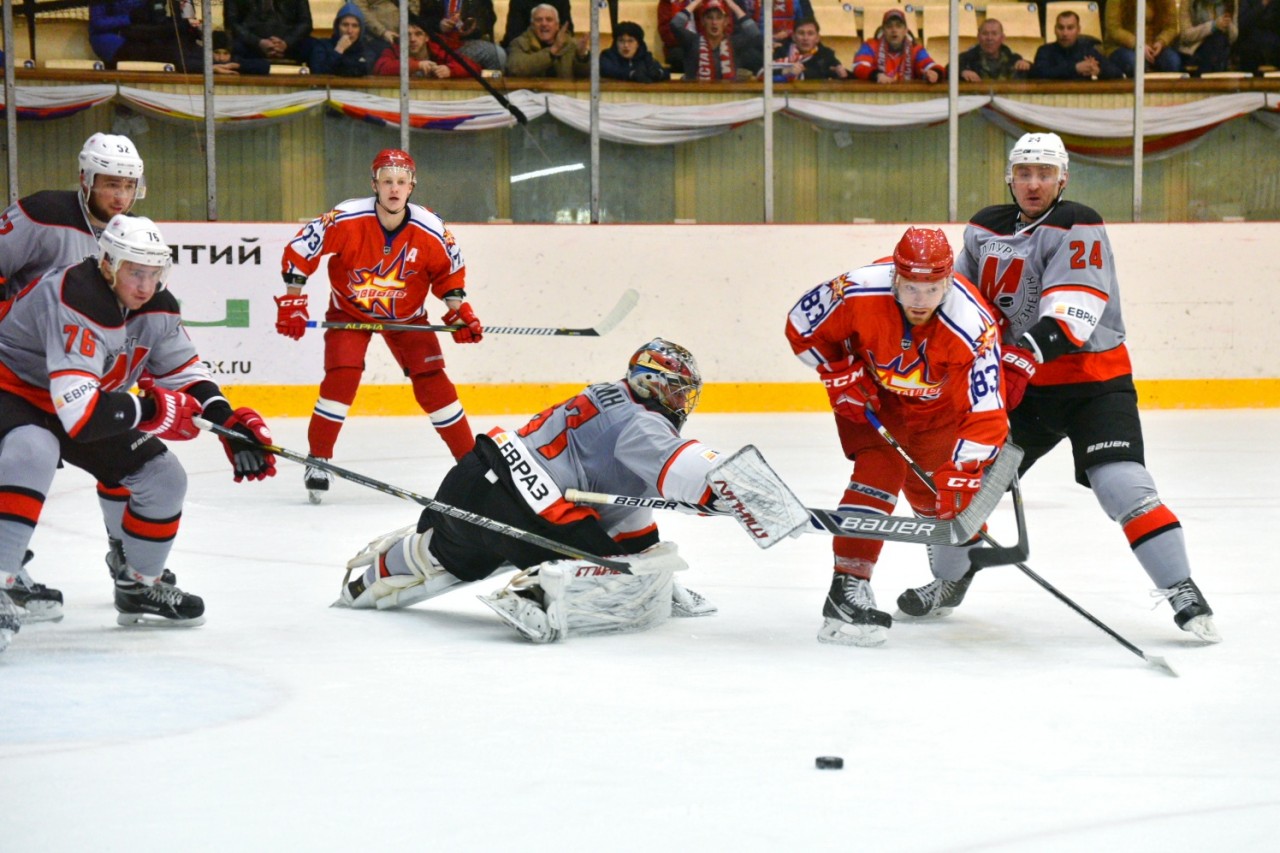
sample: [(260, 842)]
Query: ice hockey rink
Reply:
[(1013, 725)]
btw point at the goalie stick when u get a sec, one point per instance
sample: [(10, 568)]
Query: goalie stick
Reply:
[(1016, 554), (429, 503), (606, 325), (859, 525)]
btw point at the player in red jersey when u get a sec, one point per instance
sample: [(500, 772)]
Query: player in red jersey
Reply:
[(386, 256), (916, 344)]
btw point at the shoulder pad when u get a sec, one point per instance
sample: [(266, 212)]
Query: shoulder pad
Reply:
[(85, 291), (998, 218), (55, 207), (1069, 213), (163, 302)]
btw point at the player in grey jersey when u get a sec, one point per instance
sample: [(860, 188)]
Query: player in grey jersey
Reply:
[(621, 437), (56, 228), (1047, 266), (70, 347)]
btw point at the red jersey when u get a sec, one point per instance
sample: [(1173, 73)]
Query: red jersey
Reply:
[(945, 371), (377, 275)]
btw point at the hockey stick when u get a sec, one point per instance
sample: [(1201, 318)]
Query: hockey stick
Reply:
[(429, 503), (606, 325), (1019, 552)]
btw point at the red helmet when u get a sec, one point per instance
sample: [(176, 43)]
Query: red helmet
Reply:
[(394, 158), (923, 255)]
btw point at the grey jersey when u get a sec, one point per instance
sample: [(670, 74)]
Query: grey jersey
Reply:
[(604, 440), (43, 231), (67, 347), (1059, 266)]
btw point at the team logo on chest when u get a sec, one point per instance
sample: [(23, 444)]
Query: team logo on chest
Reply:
[(906, 374), (375, 290)]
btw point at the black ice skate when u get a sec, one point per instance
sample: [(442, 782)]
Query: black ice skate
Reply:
[(158, 604), (317, 481), (38, 602), (116, 563), (1190, 610), (936, 598), (851, 618)]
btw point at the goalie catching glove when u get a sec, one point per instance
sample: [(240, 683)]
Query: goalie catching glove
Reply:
[(248, 458), (173, 412), (850, 388)]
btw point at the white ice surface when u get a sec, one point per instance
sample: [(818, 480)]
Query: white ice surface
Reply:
[(282, 724)]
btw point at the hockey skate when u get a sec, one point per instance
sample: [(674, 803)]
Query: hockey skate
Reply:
[(157, 604), (317, 481), (935, 599), (426, 578), (522, 608), (10, 620), (1190, 610), (850, 615), (116, 562), (37, 602), (687, 603)]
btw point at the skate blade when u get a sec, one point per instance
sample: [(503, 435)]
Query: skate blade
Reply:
[(315, 496), (149, 620), (41, 612), (931, 616), (845, 634), (512, 621)]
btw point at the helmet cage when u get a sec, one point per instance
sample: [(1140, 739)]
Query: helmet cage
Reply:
[(135, 239), (394, 158), (665, 376), (109, 154)]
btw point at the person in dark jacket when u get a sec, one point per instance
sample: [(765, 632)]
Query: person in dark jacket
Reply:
[(269, 29), (628, 58), (350, 51), (1072, 56), (803, 56), (146, 31)]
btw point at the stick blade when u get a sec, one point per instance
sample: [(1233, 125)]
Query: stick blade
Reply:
[(628, 301), (1160, 664)]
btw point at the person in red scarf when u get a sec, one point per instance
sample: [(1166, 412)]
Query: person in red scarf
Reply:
[(787, 15), (805, 57), (426, 59), (710, 53), (893, 55)]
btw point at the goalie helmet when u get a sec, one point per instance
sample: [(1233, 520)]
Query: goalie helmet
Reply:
[(1046, 148), (394, 158), (108, 154), (665, 377), (136, 239)]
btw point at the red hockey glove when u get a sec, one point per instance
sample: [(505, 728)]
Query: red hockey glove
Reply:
[(174, 411), (291, 315), (248, 459), (957, 484), (1019, 367), (471, 331), (851, 389)]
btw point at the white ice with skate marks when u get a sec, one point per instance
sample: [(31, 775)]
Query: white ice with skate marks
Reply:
[(1012, 724)]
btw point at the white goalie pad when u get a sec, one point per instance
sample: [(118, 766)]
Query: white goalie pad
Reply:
[(414, 577), (573, 597), (744, 484)]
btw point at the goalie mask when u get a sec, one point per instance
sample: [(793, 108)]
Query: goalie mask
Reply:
[(666, 379), (135, 239)]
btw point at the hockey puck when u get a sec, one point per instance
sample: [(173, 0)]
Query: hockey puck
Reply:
[(828, 762)]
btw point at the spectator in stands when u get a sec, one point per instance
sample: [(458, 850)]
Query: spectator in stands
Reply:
[(1258, 45), (466, 26), (273, 30), (548, 48), (786, 16), (350, 51), (1073, 56), (805, 56), (1207, 30), (146, 31), (670, 43), (520, 18), (1120, 38), (991, 58), (226, 62), (628, 58), (710, 53), (382, 17), (893, 56), (425, 58)]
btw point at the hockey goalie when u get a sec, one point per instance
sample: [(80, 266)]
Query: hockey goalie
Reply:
[(621, 437)]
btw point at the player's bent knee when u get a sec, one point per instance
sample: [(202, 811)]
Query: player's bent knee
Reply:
[(1123, 489), (160, 486), (30, 447)]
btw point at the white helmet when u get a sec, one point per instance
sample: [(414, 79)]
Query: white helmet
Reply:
[(107, 154), (1044, 148), (136, 239)]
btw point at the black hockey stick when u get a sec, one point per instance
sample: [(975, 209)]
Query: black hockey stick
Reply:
[(1019, 553), (429, 503), (519, 116), (606, 325)]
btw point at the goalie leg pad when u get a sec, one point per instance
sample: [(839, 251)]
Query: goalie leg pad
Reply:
[(400, 572)]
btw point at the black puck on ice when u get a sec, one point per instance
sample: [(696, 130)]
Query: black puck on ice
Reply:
[(828, 762)]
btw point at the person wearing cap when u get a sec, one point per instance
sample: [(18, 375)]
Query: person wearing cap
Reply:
[(628, 58), (893, 56), (711, 54)]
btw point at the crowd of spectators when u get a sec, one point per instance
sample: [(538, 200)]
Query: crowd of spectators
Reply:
[(695, 40)]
